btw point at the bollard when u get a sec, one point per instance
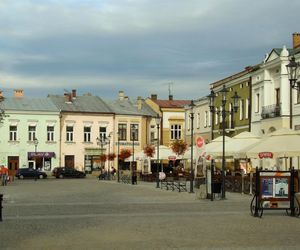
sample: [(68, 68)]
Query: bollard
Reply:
[(1, 199)]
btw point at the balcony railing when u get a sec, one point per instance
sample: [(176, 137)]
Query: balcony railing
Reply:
[(271, 111)]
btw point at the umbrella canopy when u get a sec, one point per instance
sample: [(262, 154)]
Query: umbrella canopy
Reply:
[(165, 153), (281, 143), (211, 148), (237, 147)]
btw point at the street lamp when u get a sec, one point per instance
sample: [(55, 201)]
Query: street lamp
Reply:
[(102, 141), (133, 134), (192, 105), (157, 120), (292, 69), (118, 173), (223, 113), (35, 142)]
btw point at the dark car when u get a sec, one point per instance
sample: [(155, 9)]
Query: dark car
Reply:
[(65, 172), (30, 173)]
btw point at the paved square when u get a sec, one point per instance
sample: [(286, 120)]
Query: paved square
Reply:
[(92, 214)]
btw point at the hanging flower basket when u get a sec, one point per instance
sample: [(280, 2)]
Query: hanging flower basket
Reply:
[(149, 150), (124, 153), (179, 147), (103, 158), (111, 156)]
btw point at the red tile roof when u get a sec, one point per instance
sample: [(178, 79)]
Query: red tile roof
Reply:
[(172, 103)]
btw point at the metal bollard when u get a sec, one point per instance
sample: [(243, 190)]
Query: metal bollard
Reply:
[(1, 199)]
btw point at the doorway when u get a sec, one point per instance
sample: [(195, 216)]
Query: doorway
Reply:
[(13, 165)]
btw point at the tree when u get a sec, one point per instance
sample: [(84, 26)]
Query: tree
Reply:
[(179, 147)]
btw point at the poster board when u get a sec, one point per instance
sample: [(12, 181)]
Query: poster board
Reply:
[(275, 189)]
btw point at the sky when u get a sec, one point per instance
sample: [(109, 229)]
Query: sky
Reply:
[(141, 47)]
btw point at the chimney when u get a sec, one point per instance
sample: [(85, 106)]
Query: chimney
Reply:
[(121, 95), (18, 93), (296, 40), (73, 93), (153, 97), (170, 97), (68, 97), (139, 102)]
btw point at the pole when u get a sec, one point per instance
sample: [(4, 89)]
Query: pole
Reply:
[(1, 199), (108, 159), (192, 160), (223, 153), (291, 114), (118, 173), (157, 160)]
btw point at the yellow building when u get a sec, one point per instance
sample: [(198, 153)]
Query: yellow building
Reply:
[(172, 113)]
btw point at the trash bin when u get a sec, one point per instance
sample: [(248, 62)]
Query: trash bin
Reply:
[(216, 187)]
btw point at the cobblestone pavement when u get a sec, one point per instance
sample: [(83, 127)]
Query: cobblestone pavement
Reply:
[(92, 214)]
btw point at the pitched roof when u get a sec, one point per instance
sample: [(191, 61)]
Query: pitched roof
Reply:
[(172, 103), (28, 104), (85, 103), (126, 107)]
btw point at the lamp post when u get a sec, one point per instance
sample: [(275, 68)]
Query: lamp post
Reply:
[(192, 105), (118, 157), (157, 120), (223, 113), (292, 69), (102, 141), (35, 142), (133, 133)]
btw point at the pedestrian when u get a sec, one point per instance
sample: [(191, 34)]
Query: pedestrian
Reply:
[(4, 175)]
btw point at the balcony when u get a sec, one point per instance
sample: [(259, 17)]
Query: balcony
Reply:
[(271, 111)]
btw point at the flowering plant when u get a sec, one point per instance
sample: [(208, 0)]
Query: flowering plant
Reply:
[(111, 156), (103, 158), (179, 147), (149, 150), (124, 153)]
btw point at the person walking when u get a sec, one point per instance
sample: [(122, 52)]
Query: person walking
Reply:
[(4, 175)]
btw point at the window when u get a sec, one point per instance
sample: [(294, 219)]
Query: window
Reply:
[(188, 123), (298, 95), (216, 117), (257, 103), (122, 130), (221, 111), (69, 133), (31, 133), (198, 120), (247, 108), (205, 119), (102, 132), (152, 136), (134, 132), (50, 133), (209, 118), (277, 95), (13, 133), (242, 108), (87, 134), (230, 116), (175, 132), (241, 86)]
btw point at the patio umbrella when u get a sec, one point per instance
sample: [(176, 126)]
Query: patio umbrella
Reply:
[(165, 153), (214, 146), (281, 143), (238, 146)]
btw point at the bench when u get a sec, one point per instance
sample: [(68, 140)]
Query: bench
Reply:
[(180, 184), (167, 183), (126, 179)]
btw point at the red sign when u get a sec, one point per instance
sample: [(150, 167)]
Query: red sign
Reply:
[(265, 155), (199, 142)]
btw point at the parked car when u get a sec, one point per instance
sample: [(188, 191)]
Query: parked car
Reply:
[(30, 173), (65, 172)]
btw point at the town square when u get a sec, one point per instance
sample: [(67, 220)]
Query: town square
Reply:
[(146, 124)]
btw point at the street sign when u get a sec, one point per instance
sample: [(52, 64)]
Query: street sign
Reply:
[(199, 142)]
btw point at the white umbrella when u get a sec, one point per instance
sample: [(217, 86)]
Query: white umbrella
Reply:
[(238, 146), (165, 153), (281, 143), (212, 147)]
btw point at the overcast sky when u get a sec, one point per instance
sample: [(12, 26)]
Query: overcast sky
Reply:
[(139, 46)]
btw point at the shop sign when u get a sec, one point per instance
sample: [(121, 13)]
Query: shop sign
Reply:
[(265, 155)]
